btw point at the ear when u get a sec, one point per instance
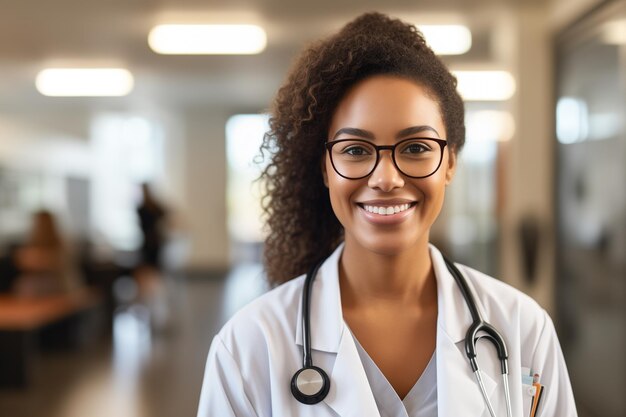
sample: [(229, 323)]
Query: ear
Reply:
[(451, 168), (323, 167)]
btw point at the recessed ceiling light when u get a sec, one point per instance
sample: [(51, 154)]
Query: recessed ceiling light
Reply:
[(485, 85), (447, 39), (207, 39), (84, 82)]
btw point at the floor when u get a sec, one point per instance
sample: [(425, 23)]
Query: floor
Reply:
[(143, 370)]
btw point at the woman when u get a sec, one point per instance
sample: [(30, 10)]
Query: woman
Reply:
[(365, 135), (44, 264)]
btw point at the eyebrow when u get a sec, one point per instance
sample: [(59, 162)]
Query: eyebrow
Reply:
[(354, 132), (369, 135), (414, 130)]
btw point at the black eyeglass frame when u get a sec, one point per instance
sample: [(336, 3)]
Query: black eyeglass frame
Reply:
[(329, 145)]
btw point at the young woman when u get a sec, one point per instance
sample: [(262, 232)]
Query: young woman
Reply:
[(364, 140)]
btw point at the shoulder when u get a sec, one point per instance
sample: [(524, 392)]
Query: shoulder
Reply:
[(268, 319)]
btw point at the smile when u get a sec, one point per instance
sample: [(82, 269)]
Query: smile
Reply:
[(386, 210)]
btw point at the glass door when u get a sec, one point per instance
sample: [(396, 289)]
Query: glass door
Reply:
[(591, 207)]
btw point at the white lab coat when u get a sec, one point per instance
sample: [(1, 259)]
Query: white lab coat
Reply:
[(253, 358)]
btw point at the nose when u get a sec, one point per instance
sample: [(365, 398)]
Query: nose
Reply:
[(385, 176)]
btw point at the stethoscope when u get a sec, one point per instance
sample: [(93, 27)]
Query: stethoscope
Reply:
[(311, 384)]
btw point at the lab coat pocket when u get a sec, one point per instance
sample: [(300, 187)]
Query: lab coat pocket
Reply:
[(528, 394)]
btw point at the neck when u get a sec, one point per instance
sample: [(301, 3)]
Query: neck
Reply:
[(368, 278)]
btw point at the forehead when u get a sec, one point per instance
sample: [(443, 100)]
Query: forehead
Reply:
[(386, 105)]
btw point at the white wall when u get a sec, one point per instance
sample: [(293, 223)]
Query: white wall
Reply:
[(193, 184), (528, 158), (24, 147), (204, 207), (36, 163)]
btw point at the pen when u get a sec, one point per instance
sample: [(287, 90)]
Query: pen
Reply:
[(537, 396), (539, 400)]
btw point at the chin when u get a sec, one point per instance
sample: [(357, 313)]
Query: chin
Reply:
[(388, 245)]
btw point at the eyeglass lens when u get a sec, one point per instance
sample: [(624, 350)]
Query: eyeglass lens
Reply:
[(413, 157)]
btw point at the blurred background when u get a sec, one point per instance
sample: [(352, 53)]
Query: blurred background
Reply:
[(130, 229)]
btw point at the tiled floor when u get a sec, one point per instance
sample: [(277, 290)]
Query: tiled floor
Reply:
[(138, 373)]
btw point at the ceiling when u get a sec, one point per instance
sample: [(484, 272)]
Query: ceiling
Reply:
[(36, 34)]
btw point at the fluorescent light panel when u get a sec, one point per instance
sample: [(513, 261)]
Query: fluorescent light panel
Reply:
[(84, 82), (447, 39), (207, 39), (485, 85)]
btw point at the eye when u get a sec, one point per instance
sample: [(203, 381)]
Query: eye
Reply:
[(356, 150), (415, 148)]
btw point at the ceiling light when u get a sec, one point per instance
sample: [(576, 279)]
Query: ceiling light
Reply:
[(489, 126), (84, 82), (207, 39), (485, 85), (614, 33), (447, 39)]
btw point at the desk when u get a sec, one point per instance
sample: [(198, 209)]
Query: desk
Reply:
[(21, 318)]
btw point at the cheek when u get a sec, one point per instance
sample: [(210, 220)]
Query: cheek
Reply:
[(434, 190), (340, 191), (436, 183)]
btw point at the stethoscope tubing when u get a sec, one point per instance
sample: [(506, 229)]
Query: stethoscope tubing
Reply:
[(478, 324), (306, 315), (479, 329), (473, 335)]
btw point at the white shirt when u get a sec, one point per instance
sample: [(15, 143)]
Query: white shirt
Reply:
[(421, 401), (253, 358)]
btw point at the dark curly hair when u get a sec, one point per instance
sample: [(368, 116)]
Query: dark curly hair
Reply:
[(302, 225)]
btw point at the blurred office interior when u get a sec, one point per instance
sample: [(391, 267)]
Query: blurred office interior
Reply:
[(539, 200)]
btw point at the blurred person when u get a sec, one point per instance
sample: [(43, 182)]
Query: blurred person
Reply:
[(44, 262), (152, 216), (364, 138)]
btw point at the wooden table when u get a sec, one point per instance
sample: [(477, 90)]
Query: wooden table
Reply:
[(21, 318)]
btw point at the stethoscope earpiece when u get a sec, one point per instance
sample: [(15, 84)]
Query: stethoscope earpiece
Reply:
[(310, 385)]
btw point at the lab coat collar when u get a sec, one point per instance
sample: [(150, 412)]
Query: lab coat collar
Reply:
[(458, 392), (453, 315), (327, 324), (350, 393)]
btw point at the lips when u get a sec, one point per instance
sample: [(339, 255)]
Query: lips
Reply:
[(386, 211)]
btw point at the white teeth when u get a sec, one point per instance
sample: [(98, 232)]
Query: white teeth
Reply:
[(387, 210)]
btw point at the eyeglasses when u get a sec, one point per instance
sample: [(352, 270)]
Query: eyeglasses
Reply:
[(415, 157)]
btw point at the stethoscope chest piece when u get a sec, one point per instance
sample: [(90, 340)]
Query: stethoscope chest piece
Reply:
[(310, 385)]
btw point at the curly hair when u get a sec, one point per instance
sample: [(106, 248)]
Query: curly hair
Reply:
[(296, 203)]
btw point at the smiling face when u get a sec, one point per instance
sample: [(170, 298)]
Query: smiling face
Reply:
[(388, 212)]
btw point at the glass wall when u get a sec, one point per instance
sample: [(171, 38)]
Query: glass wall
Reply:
[(591, 207)]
